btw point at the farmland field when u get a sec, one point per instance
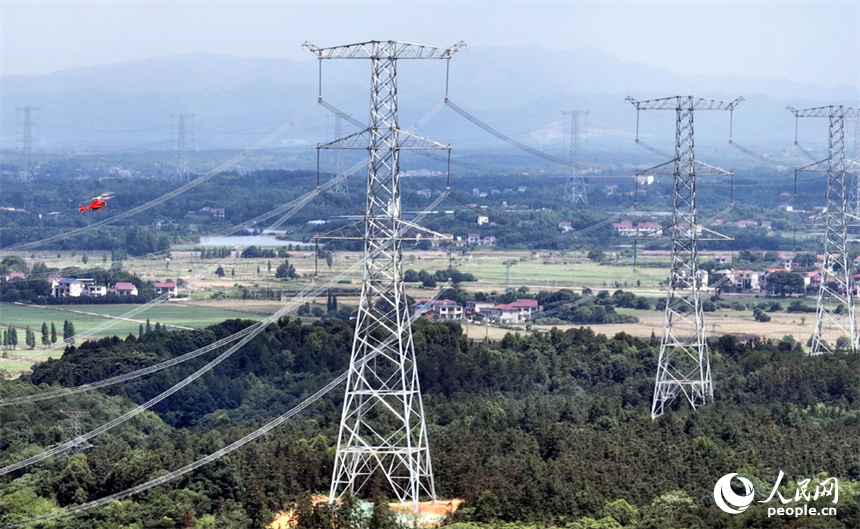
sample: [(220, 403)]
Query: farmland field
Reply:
[(87, 317), (214, 299)]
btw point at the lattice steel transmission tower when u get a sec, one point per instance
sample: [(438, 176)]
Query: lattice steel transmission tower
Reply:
[(684, 364), (382, 427), (574, 191), (341, 186), (181, 148), (852, 181), (75, 431), (834, 315), (27, 174)]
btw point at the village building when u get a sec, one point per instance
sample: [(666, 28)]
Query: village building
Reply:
[(124, 288), (166, 288), (516, 311), (626, 228), (74, 287), (473, 308), (438, 309)]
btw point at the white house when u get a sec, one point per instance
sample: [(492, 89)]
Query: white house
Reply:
[(67, 287), (516, 311), (439, 309), (478, 307)]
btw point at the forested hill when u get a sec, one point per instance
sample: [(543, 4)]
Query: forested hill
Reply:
[(550, 429)]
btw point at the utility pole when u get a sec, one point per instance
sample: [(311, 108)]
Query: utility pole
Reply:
[(834, 314), (382, 428), (27, 174), (684, 364), (182, 163), (574, 191), (75, 431)]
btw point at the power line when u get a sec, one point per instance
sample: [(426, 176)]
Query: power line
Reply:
[(167, 196), (227, 449)]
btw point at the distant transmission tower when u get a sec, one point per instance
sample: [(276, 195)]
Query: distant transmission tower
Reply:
[(382, 428), (509, 280), (684, 365), (852, 181), (574, 191), (75, 431), (834, 315), (27, 171), (182, 162), (341, 186)]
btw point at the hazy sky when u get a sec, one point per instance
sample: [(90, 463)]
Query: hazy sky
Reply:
[(815, 41)]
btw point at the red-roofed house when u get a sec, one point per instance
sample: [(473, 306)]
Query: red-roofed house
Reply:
[(647, 228), (519, 310), (624, 228), (124, 288), (166, 288)]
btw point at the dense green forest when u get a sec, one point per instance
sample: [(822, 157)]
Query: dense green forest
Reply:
[(550, 429)]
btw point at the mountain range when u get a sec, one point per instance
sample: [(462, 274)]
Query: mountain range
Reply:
[(519, 93)]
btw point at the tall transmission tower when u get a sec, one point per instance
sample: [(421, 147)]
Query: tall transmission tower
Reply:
[(382, 427), (834, 314), (75, 431), (27, 174), (574, 191), (182, 162), (684, 364)]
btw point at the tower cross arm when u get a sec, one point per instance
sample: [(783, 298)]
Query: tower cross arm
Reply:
[(684, 102), (380, 49), (825, 112)]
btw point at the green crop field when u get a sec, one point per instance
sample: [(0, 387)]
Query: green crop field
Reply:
[(87, 317)]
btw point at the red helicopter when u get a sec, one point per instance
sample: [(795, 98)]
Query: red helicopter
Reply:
[(97, 203)]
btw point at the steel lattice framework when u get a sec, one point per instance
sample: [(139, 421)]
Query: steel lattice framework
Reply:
[(27, 173), (182, 161), (684, 364), (341, 186), (834, 315), (574, 192), (75, 431), (852, 183), (382, 426)]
